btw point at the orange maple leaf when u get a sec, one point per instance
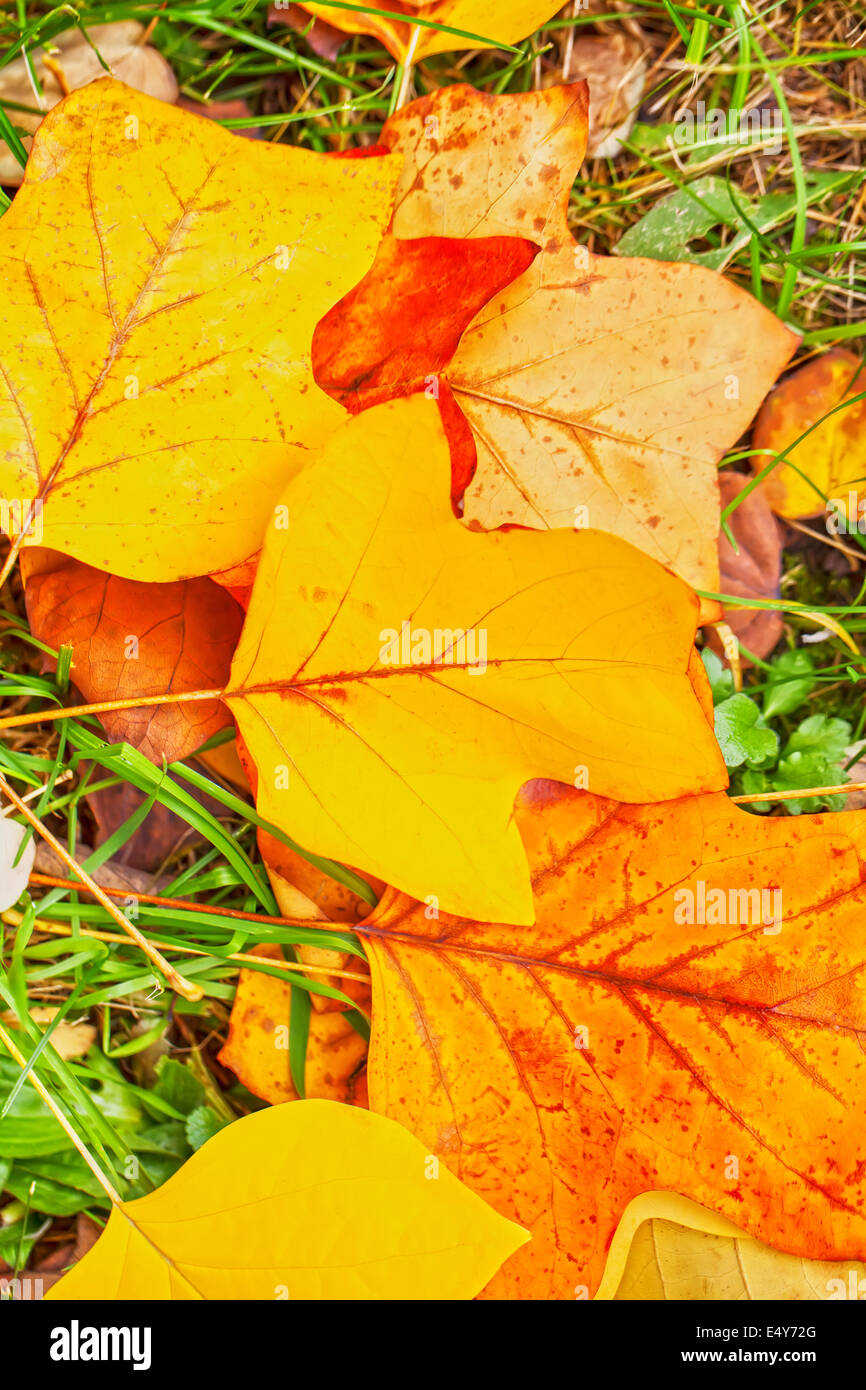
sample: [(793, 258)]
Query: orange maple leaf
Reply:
[(686, 1014)]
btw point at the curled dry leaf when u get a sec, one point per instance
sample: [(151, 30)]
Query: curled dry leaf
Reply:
[(615, 65), (507, 22), (131, 639), (257, 1047), (621, 1047), (667, 1247), (75, 55), (395, 704), (753, 569), (343, 1209), (830, 463), (123, 877), (600, 392), (162, 283)]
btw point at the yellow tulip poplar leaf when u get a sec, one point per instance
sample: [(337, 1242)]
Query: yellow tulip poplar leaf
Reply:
[(646, 1032), (829, 464), (667, 1247), (399, 677), (600, 392), (310, 1200), (508, 21), (162, 281)]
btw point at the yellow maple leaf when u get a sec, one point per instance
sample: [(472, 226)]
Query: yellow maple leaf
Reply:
[(399, 677), (162, 281)]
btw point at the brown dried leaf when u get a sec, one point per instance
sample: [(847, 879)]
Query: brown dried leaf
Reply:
[(120, 46), (615, 66), (752, 572)]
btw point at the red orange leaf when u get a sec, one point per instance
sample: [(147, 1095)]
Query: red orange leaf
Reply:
[(399, 328), (656, 1029), (130, 639)]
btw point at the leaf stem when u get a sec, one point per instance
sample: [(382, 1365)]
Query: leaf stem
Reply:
[(152, 900), (800, 795), (16, 721), (404, 71)]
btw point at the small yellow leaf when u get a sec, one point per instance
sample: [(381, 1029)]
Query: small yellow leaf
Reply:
[(667, 1247), (308, 1200), (829, 463)]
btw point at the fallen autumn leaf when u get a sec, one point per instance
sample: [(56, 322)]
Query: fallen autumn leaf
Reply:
[(369, 1225), (163, 281), (600, 392), (424, 672), (655, 1030), (131, 639)]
